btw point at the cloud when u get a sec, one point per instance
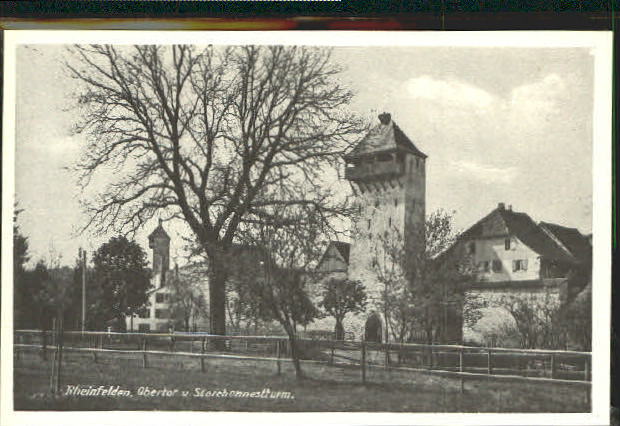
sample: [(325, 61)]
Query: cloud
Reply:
[(538, 99), (451, 92), (485, 172)]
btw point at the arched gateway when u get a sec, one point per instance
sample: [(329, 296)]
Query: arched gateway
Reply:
[(372, 329)]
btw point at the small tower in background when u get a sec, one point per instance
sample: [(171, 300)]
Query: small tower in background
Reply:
[(159, 241)]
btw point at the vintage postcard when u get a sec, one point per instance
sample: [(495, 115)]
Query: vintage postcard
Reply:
[(308, 227)]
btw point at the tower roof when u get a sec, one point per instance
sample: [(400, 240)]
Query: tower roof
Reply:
[(159, 232), (385, 136)]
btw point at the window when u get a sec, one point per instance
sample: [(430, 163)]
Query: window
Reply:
[(507, 243), (497, 266), (471, 247), (144, 313), (484, 266), (143, 328), (161, 313), (390, 221), (417, 162), (159, 298), (395, 202), (368, 220), (519, 265), (377, 203)]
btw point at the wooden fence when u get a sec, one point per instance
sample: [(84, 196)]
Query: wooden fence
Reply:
[(553, 366)]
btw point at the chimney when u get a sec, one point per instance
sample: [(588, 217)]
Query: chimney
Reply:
[(509, 208), (501, 206), (385, 118)]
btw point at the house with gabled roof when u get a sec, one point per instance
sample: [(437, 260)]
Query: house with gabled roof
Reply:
[(515, 256)]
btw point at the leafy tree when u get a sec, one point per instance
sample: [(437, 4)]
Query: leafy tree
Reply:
[(340, 297), (577, 317), (121, 274), (21, 303), (199, 133)]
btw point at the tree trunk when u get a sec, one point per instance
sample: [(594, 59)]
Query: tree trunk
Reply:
[(217, 297), (120, 319), (339, 330), (295, 356)]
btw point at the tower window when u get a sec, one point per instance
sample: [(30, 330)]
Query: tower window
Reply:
[(368, 221), (390, 221), (395, 202), (507, 243), (417, 162)]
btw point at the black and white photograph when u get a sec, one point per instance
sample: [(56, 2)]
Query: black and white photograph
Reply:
[(372, 227)]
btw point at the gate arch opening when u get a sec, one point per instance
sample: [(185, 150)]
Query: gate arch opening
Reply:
[(373, 330)]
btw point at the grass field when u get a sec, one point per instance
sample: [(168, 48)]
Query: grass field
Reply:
[(241, 382)]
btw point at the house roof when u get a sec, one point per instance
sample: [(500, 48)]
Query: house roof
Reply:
[(504, 222), (159, 232), (343, 249), (385, 136), (573, 240)]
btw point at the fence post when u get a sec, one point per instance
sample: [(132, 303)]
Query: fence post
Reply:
[(144, 347), (279, 354), (203, 347), (552, 366), (461, 360), (331, 358), (363, 362), (586, 369), (44, 352), (387, 356), (489, 364), (430, 348)]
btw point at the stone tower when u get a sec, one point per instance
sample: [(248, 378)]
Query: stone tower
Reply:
[(159, 241), (387, 174)]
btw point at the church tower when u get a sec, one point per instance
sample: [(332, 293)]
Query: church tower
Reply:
[(387, 174), (159, 241)]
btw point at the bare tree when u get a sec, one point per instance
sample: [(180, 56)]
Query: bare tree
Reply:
[(290, 243), (538, 321), (198, 133), (186, 298), (423, 283)]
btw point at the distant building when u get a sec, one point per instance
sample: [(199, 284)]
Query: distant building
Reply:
[(156, 315), (514, 256)]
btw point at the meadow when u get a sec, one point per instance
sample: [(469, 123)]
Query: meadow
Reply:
[(253, 385)]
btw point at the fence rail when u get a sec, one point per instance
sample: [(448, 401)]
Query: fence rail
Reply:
[(453, 360)]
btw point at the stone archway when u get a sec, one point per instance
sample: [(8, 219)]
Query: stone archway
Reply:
[(373, 329)]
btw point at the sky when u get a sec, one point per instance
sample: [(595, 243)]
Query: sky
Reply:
[(510, 125)]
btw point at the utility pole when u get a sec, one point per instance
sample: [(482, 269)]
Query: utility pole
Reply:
[(83, 256)]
